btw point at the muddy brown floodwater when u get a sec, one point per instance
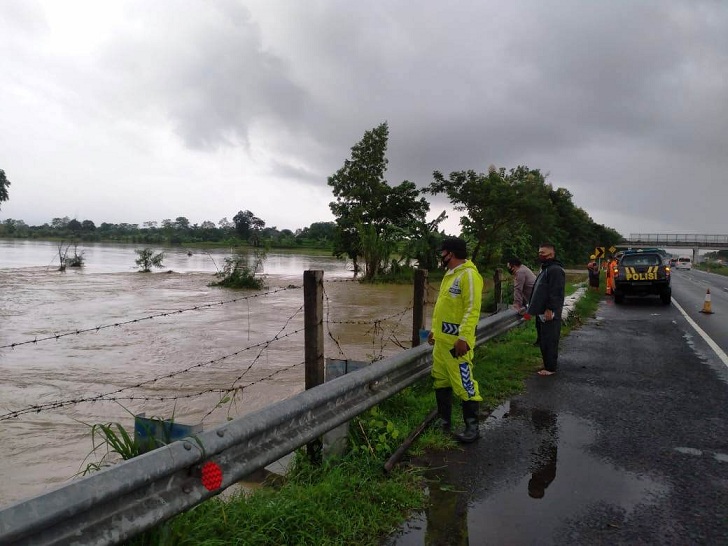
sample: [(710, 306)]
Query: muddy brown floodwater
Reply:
[(171, 366)]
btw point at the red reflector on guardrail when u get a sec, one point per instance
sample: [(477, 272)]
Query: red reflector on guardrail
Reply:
[(211, 476)]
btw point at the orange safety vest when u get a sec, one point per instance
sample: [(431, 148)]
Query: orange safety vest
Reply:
[(610, 275)]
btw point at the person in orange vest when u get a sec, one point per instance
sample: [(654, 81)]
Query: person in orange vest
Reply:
[(611, 266)]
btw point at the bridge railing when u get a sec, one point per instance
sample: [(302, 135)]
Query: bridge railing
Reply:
[(689, 239)]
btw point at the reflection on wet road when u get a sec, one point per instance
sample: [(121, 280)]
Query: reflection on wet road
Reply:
[(582, 480), (627, 444)]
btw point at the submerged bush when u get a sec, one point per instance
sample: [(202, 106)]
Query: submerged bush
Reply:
[(236, 273), (77, 260)]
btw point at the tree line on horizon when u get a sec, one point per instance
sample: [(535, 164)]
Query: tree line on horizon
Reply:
[(381, 228), (246, 228)]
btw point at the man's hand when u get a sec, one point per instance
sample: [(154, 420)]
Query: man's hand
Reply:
[(430, 338), (461, 347), (548, 314)]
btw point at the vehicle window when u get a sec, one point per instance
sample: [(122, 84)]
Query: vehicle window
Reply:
[(684, 260), (637, 259)]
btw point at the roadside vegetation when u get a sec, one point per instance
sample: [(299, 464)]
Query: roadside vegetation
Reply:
[(351, 500), (712, 267)]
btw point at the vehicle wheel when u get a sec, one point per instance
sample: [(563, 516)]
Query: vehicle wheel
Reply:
[(618, 297), (666, 298)]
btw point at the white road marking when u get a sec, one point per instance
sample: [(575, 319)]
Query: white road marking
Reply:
[(713, 345)]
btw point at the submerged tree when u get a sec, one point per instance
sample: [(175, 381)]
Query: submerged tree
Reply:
[(148, 259), (77, 260), (65, 260), (63, 256)]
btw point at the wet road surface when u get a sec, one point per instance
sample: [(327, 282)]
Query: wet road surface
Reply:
[(627, 444)]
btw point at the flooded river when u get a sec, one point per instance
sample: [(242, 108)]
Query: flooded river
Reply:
[(105, 342)]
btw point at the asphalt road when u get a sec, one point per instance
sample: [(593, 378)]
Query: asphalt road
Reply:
[(689, 289), (626, 444)]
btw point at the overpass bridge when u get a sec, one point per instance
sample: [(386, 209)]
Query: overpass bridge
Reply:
[(677, 240)]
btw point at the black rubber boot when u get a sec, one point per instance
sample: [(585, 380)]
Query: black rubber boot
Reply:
[(444, 409), (470, 415)]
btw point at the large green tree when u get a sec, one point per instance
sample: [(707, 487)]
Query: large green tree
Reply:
[(511, 213), (495, 205), (248, 226), (423, 245), (372, 217), (321, 232), (4, 185)]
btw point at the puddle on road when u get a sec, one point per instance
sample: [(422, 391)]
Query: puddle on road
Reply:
[(562, 480)]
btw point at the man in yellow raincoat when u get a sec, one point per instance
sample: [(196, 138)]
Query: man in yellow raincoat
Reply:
[(454, 320)]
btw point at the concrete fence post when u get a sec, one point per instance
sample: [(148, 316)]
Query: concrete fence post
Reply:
[(313, 312), (418, 305)]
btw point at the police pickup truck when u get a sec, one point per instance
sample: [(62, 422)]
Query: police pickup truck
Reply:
[(641, 273)]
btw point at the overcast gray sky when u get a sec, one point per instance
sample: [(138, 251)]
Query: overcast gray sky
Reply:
[(129, 111)]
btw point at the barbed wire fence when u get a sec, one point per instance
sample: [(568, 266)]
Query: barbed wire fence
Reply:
[(187, 366), (383, 332), (76, 332), (204, 391)]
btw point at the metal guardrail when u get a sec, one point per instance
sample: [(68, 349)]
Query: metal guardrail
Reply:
[(120, 502)]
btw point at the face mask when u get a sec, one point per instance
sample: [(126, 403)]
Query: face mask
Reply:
[(445, 259)]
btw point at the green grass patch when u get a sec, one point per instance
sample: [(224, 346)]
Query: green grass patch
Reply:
[(712, 268), (502, 365), (346, 502)]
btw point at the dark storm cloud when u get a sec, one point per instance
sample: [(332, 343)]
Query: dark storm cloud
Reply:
[(614, 99), (624, 103), (205, 69), (461, 87)]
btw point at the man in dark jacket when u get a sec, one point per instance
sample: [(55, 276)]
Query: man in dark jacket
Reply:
[(547, 302)]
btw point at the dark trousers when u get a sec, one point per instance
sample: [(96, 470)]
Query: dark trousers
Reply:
[(549, 334)]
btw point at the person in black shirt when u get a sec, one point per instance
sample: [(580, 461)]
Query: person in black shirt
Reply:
[(547, 302)]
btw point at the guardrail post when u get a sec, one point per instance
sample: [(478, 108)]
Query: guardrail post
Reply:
[(418, 306), (313, 312)]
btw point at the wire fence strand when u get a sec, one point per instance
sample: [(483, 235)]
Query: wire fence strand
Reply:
[(142, 319), (37, 408)]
